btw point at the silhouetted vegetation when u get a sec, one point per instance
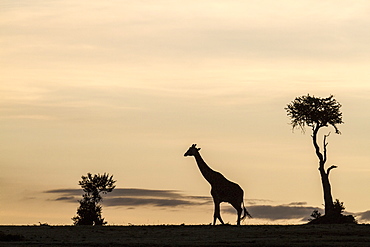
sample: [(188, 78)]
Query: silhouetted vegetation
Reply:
[(89, 212), (315, 112), (336, 218), (315, 215)]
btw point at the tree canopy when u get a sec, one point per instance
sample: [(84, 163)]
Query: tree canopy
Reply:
[(94, 185), (314, 112)]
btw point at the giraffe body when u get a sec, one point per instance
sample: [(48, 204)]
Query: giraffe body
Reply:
[(222, 190)]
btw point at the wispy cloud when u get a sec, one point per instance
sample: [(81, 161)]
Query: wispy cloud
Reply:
[(66, 198), (365, 216), (293, 210), (156, 198), (281, 212), (134, 197)]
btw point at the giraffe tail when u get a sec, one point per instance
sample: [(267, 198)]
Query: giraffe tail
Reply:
[(246, 213)]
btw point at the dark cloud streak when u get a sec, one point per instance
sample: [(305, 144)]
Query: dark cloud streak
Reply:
[(281, 212), (146, 193), (69, 192), (136, 197), (365, 216), (157, 202), (133, 197), (278, 212), (66, 198)]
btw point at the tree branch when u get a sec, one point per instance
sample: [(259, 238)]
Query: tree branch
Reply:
[(325, 144), (330, 168)]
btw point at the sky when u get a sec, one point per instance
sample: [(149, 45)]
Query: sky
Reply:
[(126, 87)]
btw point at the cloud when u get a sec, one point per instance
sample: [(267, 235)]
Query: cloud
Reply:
[(157, 198), (156, 202), (282, 212), (66, 198), (70, 192), (297, 203), (146, 193), (66, 195), (257, 201), (136, 197), (279, 212), (365, 216)]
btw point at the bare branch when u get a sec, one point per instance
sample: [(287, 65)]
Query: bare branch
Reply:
[(330, 168), (325, 144)]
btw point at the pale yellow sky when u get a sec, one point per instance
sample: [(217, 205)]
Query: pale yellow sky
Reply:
[(125, 87)]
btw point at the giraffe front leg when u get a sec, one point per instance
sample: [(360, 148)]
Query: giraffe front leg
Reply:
[(217, 214)]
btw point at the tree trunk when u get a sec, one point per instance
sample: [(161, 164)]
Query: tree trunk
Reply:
[(328, 199)]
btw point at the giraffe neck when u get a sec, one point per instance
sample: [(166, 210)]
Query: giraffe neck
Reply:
[(206, 171)]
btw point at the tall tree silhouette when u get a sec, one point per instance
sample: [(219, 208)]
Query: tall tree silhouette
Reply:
[(89, 212), (316, 113)]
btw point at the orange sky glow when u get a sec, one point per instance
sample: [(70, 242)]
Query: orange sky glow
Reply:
[(125, 87)]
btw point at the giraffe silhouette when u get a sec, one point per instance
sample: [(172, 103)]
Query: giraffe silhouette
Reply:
[(222, 190)]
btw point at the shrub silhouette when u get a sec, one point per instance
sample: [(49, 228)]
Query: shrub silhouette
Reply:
[(89, 212), (315, 215), (336, 217)]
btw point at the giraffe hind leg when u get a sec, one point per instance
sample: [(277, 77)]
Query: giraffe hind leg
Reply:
[(239, 211), (239, 216)]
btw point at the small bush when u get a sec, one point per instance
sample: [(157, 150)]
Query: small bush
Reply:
[(336, 217), (315, 215), (338, 207)]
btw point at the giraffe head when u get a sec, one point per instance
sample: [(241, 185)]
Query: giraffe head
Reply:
[(192, 150)]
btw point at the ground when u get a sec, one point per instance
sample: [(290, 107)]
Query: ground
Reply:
[(253, 235)]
